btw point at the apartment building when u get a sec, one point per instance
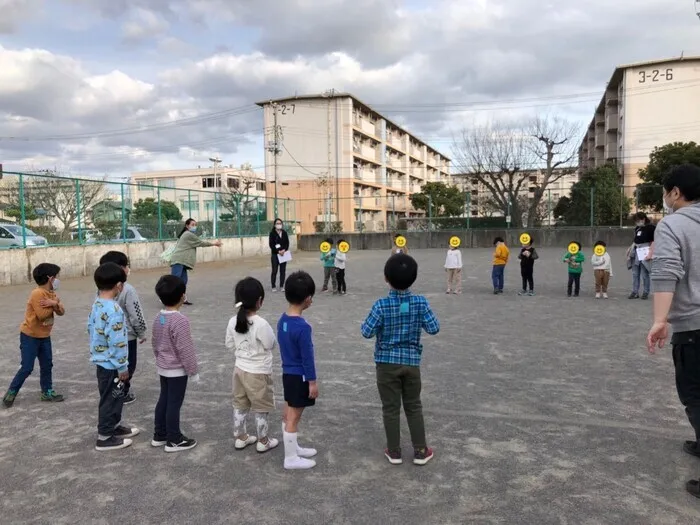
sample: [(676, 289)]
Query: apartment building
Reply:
[(194, 191), (479, 200), (645, 105), (340, 160)]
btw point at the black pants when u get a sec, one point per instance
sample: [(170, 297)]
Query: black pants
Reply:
[(686, 358), (282, 268), (133, 346), (172, 394), (111, 402), (575, 282), (528, 279), (340, 277)]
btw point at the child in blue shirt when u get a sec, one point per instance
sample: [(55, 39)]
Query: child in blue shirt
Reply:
[(397, 321), (109, 351), (328, 260), (298, 367)]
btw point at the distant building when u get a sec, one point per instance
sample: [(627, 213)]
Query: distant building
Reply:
[(342, 161), (645, 105)]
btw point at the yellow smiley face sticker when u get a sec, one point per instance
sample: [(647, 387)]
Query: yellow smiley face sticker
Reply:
[(455, 241), (400, 241), (599, 250), (573, 248), (525, 239), (343, 246), (325, 247)]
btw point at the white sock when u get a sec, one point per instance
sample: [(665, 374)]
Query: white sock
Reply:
[(290, 445), (292, 461)]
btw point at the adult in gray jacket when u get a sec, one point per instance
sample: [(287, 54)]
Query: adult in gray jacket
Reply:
[(675, 277), (185, 255)]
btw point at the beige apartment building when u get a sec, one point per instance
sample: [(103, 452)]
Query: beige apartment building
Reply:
[(194, 191), (340, 160), (645, 105)]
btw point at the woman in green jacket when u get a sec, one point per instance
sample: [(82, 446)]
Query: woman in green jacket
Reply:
[(184, 256)]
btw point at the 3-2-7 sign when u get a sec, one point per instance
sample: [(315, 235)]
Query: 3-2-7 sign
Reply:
[(655, 75)]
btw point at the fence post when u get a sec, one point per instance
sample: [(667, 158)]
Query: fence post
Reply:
[(79, 211), (430, 213), (160, 218), (359, 217), (215, 226), (22, 212), (257, 214), (238, 214), (469, 209), (189, 202), (549, 208), (123, 211), (592, 204), (622, 200)]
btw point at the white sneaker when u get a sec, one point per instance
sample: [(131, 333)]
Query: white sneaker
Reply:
[(297, 463), (306, 452), (597, 296), (240, 444), (274, 290), (605, 296), (264, 447)]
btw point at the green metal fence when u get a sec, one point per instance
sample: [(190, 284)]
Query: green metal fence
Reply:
[(42, 209), (376, 210)]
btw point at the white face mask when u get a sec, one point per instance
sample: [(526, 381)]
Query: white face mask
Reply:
[(668, 209), (278, 226), (55, 284)]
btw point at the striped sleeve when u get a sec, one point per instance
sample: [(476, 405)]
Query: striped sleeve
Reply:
[(183, 344)]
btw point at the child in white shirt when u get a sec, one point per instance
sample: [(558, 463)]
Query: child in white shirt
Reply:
[(602, 269), (340, 260), (252, 339), (453, 267)]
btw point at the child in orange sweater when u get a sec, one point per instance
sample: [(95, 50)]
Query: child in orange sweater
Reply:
[(500, 259)]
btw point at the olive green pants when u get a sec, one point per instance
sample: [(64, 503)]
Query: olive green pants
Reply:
[(399, 384)]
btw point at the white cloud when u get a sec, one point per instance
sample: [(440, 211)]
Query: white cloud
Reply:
[(143, 24), (14, 12)]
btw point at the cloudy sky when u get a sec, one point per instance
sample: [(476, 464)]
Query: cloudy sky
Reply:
[(109, 87)]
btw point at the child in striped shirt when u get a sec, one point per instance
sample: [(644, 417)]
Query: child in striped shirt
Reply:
[(176, 360)]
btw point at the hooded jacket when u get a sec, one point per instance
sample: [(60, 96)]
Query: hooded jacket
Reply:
[(676, 266)]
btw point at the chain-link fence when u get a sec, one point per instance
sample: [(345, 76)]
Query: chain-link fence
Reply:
[(377, 210), (47, 210)]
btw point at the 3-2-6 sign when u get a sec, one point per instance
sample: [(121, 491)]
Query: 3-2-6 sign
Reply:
[(655, 75)]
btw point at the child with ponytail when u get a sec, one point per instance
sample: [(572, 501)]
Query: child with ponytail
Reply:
[(252, 340)]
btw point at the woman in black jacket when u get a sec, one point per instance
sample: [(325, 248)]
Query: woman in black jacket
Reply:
[(279, 244)]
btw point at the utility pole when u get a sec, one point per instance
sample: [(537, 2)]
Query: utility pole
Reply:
[(275, 147), (216, 161)]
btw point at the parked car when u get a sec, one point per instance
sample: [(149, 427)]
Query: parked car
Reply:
[(11, 236), (132, 234)]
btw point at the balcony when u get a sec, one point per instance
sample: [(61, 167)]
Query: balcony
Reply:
[(369, 152), (611, 149), (599, 139), (599, 119), (415, 151), (611, 121)]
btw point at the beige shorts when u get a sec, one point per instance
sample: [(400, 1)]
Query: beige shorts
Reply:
[(252, 391)]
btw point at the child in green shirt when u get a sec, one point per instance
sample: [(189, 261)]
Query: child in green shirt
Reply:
[(575, 263), (328, 260)]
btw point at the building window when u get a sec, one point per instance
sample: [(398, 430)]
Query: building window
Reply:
[(260, 186), (167, 183), (143, 184), (190, 205), (233, 183), (208, 182)]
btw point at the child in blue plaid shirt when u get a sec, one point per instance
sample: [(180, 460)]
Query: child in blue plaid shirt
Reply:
[(397, 321)]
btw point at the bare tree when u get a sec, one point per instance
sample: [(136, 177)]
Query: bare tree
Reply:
[(235, 193), (509, 162)]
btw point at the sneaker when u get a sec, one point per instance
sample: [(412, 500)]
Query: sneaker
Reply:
[(298, 463), (343, 292), (274, 289), (9, 398), (51, 396), (597, 296), (158, 441), (422, 455), (531, 293), (126, 432), (264, 447), (393, 456), (113, 443), (448, 292), (306, 452), (188, 303), (605, 296), (575, 295), (645, 296), (692, 448), (324, 289), (129, 398), (633, 296), (522, 293), (183, 444), (495, 292), (240, 444)]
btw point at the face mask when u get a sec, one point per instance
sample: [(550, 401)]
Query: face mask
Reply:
[(668, 209), (278, 226), (55, 284), (640, 224), (192, 229)]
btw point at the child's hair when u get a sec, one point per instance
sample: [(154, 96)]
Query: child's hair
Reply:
[(401, 271), (170, 289), (298, 287), (341, 240), (497, 240), (109, 275), (577, 244), (329, 241), (43, 272), (247, 293), (116, 257), (601, 243)]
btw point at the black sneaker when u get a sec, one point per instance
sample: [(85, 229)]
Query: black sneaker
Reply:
[(129, 398), (692, 448), (393, 456), (113, 443), (421, 456), (126, 432), (645, 296), (188, 303), (183, 444), (9, 399), (633, 296)]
